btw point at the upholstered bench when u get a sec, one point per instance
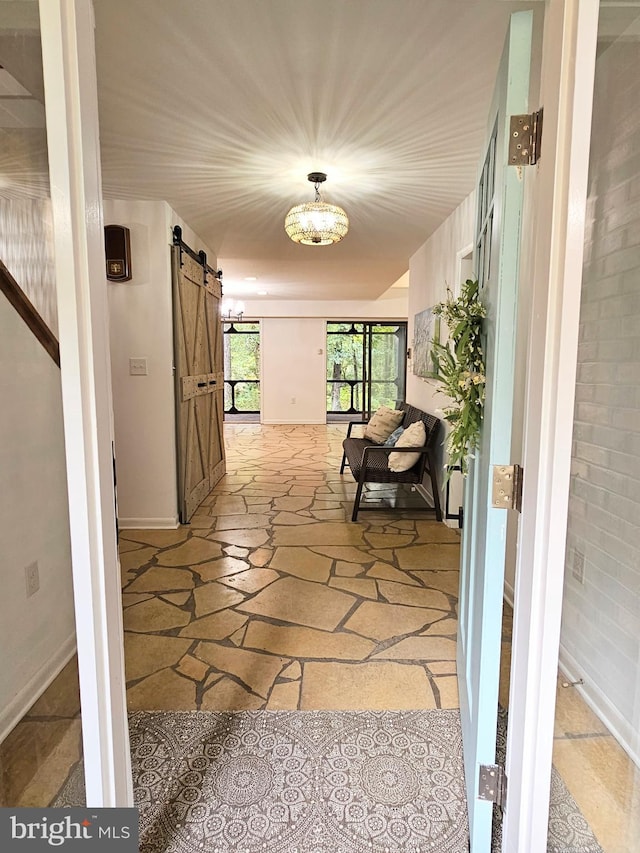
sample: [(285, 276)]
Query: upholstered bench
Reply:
[(368, 461)]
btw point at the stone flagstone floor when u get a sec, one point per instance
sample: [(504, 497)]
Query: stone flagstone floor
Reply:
[(273, 598)]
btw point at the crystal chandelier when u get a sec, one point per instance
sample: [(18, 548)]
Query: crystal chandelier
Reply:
[(316, 223)]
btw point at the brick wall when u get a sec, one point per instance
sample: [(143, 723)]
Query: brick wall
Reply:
[(601, 621)]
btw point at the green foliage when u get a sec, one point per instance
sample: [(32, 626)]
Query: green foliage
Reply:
[(345, 344), (242, 353), (460, 371), (242, 361)]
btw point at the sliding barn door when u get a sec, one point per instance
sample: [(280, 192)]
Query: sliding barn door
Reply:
[(199, 376)]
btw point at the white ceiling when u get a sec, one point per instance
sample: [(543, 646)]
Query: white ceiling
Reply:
[(222, 107)]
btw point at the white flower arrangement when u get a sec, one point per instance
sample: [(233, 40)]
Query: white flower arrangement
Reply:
[(460, 371)]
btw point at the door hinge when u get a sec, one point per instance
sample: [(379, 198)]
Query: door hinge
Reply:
[(507, 487), (525, 137), (492, 784)]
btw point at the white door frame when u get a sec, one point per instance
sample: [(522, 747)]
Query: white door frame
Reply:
[(67, 31), (555, 246)]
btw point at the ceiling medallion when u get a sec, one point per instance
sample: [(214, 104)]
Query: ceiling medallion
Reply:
[(316, 223)]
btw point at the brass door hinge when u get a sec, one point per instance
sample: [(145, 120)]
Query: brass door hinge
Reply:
[(525, 138)]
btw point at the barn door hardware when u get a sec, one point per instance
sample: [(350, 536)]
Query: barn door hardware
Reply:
[(200, 257)]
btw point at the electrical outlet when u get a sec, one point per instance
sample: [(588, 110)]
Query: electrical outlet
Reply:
[(138, 367), (578, 566), (32, 578)]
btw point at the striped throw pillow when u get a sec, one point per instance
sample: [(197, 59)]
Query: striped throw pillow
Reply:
[(382, 424)]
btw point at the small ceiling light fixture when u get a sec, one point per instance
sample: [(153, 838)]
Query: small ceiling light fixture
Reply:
[(316, 223)]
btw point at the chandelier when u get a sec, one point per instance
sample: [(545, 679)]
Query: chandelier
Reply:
[(230, 311), (316, 223)]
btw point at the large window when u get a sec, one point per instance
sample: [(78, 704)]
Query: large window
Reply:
[(366, 366), (241, 368)]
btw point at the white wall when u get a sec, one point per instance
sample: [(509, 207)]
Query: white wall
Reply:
[(294, 371), (600, 639), (392, 305), (26, 250), (37, 634), (140, 326), (435, 266), (140, 322)]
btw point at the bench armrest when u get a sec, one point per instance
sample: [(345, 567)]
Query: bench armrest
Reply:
[(354, 423)]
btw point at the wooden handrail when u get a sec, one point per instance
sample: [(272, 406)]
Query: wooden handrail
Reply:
[(16, 296)]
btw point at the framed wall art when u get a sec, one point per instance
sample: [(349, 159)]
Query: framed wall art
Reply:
[(426, 331)]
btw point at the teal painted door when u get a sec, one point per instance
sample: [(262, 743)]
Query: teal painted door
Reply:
[(496, 261)]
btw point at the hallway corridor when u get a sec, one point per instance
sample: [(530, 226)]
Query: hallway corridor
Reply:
[(272, 598)]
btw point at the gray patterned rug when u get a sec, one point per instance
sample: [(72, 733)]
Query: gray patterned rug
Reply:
[(296, 782), (311, 782)]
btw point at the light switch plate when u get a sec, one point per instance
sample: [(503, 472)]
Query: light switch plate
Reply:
[(138, 367)]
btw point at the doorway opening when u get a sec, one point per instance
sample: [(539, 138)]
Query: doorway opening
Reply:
[(242, 372), (366, 367)]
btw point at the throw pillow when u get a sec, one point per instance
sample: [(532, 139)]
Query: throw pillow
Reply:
[(415, 435), (382, 424), (393, 438)]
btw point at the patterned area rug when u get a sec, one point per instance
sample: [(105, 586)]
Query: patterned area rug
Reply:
[(296, 782), (312, 782)]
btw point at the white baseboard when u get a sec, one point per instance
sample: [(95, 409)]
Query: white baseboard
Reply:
[(280, 421), (12, 713), (425, 494), (148, 523), (623, 731)]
